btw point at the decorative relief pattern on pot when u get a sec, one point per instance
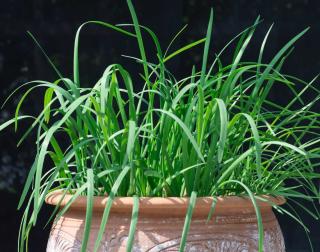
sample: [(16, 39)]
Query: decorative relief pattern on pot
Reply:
[(117, 242), (273, 239), (235, 219), (216, 244), (63, 242)]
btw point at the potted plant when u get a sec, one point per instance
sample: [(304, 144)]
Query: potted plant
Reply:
[(195, 164)]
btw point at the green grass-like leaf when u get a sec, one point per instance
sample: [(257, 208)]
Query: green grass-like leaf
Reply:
[(133, 224), (87, 227), (187, 221)]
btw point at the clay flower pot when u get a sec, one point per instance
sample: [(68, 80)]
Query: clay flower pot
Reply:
[(233, 226)]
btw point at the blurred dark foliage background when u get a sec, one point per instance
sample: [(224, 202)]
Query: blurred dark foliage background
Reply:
[(54, 23)]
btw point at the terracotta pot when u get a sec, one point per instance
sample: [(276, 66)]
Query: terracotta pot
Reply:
[(233, 226)]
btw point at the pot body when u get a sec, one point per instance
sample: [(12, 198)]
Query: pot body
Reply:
[(233, 227)]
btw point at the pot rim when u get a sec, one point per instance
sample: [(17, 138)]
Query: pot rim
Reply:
[(126, 203)]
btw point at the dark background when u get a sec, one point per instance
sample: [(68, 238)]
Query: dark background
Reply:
[(54, 23)]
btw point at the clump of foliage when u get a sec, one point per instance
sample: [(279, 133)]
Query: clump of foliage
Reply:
[(215, 132)]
